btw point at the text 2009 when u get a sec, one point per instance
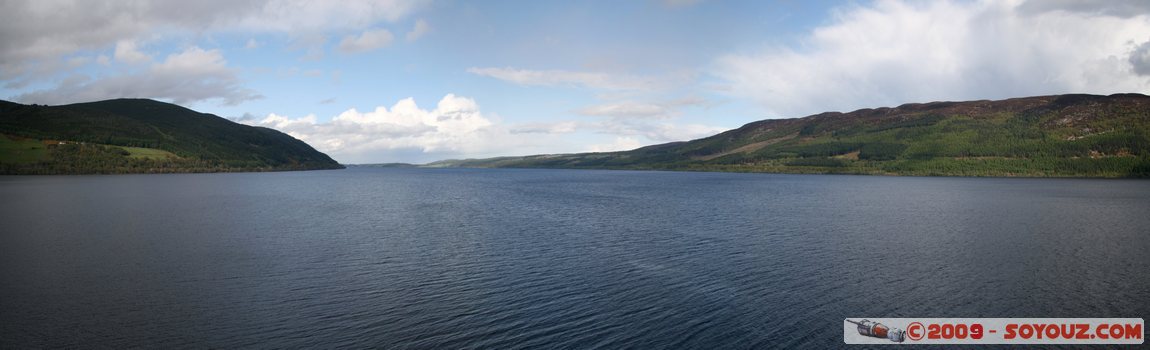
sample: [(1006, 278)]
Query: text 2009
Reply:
[(917, 331)]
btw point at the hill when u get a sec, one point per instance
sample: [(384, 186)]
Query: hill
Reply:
[(141, 136), (1044, 136)]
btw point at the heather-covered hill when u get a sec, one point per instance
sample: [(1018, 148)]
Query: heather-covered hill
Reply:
[(1063, 135)]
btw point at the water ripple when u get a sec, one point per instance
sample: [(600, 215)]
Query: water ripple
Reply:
[(514, 259)]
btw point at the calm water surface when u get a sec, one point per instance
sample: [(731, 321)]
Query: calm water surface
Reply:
[(501, 259)]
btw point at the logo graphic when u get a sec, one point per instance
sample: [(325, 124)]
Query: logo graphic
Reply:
[(878, 330), (1013, 331)]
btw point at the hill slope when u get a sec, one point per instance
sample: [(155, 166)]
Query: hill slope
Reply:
[(139, 135), (1064, 135)]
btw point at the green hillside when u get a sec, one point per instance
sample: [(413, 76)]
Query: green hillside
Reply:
[(1045, 136), (141, 136)]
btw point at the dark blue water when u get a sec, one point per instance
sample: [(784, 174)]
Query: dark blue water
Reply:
[(502, 259)]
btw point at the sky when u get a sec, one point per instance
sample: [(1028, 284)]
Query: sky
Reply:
[(379, 81)]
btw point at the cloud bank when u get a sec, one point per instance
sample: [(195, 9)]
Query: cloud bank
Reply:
[(893, 52), (40, 40), (594, 80), (192, 75), (42, 29), (366, 41), (456, 127)]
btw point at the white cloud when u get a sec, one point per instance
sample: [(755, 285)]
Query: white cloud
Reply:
[(32, 31), (194, 60), (667, 132), (594, 80), (621, 143), (127, 52), (455, 126), (626, 109), (366, 41), (655, 132), (1140, 59), (421, 28), (893, 52), (296, 15), (563, 127), (1120, 8), (78, 61), (192, 75)]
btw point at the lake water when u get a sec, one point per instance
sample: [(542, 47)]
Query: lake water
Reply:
[(503, 259)]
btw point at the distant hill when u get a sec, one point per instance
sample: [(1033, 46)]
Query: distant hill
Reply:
[(1044, 136), (141, 136)]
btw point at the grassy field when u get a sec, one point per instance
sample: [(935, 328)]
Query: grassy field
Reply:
[(148, 153), (15, 150), (19, 155)]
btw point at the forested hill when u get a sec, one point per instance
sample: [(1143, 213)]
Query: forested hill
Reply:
[(1044, 136), (141, 136)]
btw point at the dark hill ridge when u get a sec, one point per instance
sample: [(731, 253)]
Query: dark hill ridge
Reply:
[(140, 135), (1063, 135)]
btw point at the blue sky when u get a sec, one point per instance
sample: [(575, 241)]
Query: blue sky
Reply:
[(417, 81)]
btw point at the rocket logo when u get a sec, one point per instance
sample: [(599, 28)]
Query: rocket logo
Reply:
[(878, 330)]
